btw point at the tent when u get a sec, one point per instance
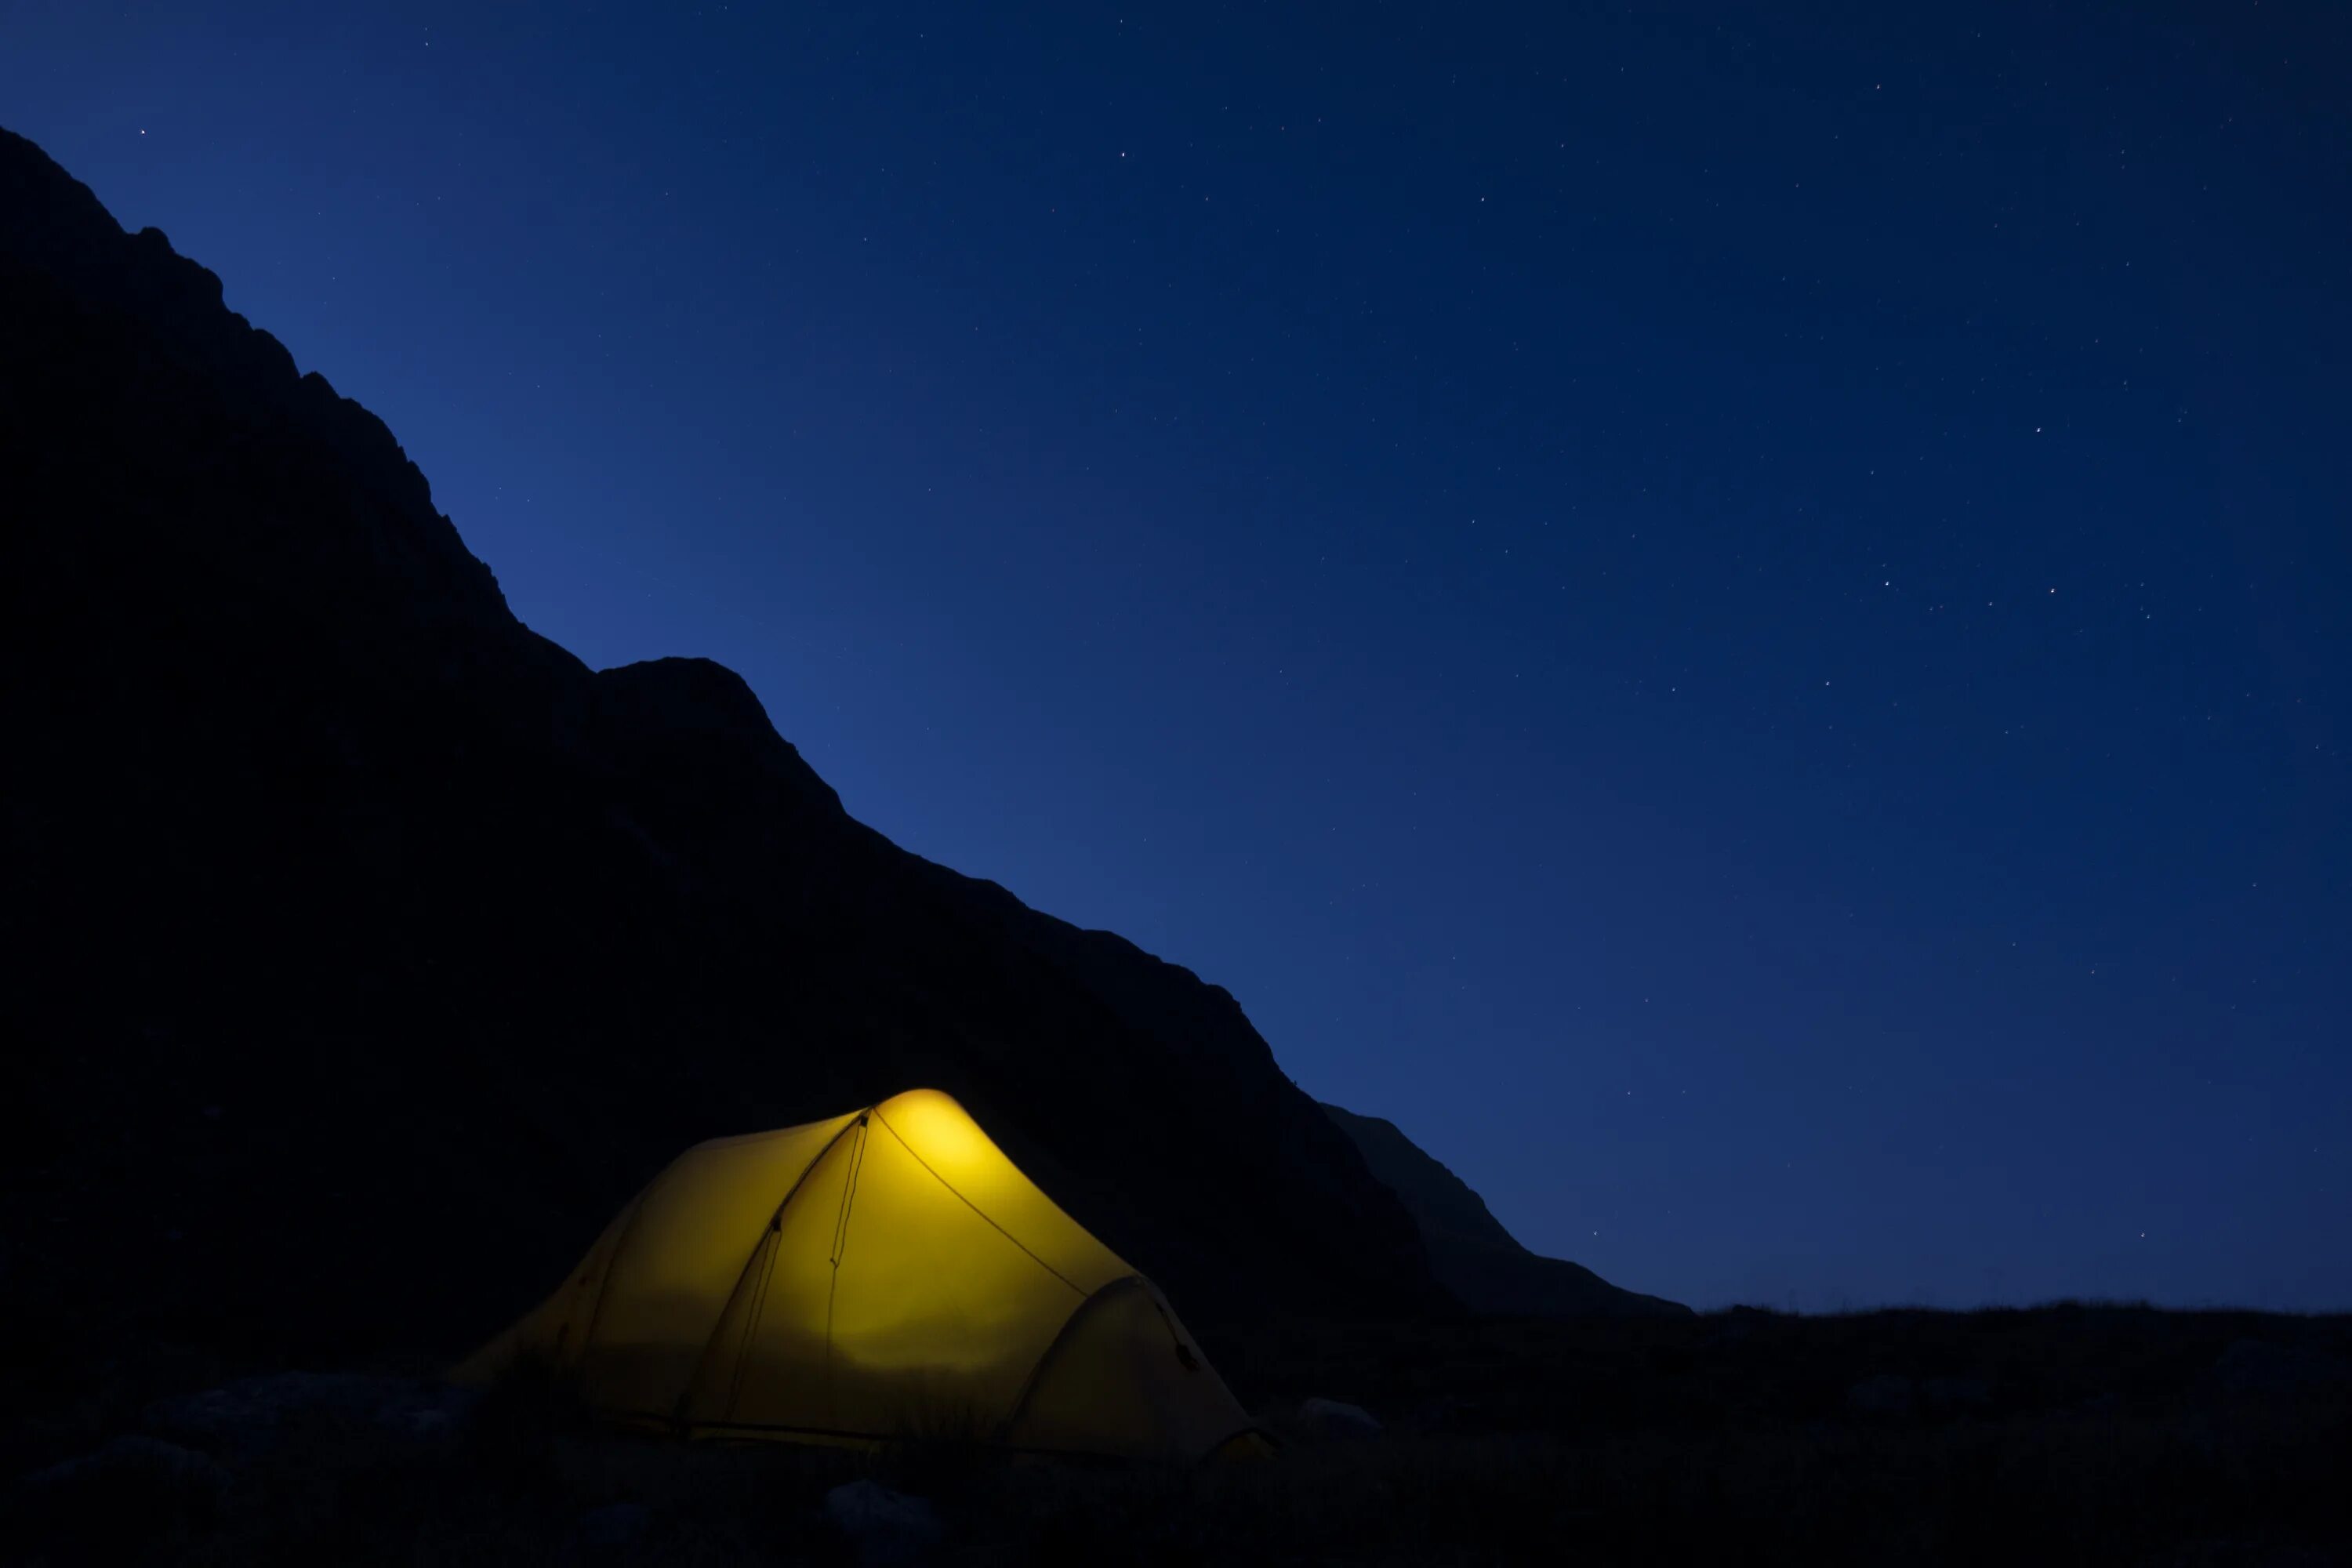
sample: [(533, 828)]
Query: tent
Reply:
[(886, 1273)]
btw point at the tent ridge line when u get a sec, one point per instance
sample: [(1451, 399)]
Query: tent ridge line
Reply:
[(876, 1112)]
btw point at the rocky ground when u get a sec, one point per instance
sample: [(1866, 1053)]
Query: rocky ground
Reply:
[(2073, 1435)]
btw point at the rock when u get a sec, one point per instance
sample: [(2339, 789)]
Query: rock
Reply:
[(427, 1410), (1885, 1395), (137, 1479), (1330, 1418), (615, 1525), (254, 1413), (885, 1526)]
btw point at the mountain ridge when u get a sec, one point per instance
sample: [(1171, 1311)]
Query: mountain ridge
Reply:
[(374, 947), (1476, 1257)]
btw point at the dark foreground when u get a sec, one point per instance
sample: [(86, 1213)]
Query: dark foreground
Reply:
[(2062, 1435)]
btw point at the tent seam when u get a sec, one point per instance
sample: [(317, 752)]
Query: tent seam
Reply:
[(711, 1340), (984, 1213), (620, 1247), (841, 1240), (1053, 1348)]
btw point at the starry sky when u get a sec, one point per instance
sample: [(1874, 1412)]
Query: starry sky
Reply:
[(1740, 616)]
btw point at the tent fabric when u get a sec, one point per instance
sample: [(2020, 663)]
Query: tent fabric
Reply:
[(884, 1274)]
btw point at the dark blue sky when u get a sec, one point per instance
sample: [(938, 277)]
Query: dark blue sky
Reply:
[(1740, 617)]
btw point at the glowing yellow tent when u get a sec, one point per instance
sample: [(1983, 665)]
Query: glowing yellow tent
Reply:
[(886, 1273)]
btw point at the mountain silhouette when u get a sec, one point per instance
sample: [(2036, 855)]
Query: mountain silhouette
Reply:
[(366, 949), (1483, 1264)]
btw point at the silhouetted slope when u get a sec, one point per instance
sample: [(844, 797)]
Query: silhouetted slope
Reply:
[(365, 950), (1482, 1263)]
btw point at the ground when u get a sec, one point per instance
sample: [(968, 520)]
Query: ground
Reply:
[(2078, 1435)]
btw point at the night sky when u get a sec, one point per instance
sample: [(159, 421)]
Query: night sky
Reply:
[(1739, 619)]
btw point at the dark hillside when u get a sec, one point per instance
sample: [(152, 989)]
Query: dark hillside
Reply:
[(1478, 1260), (366, 949)]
